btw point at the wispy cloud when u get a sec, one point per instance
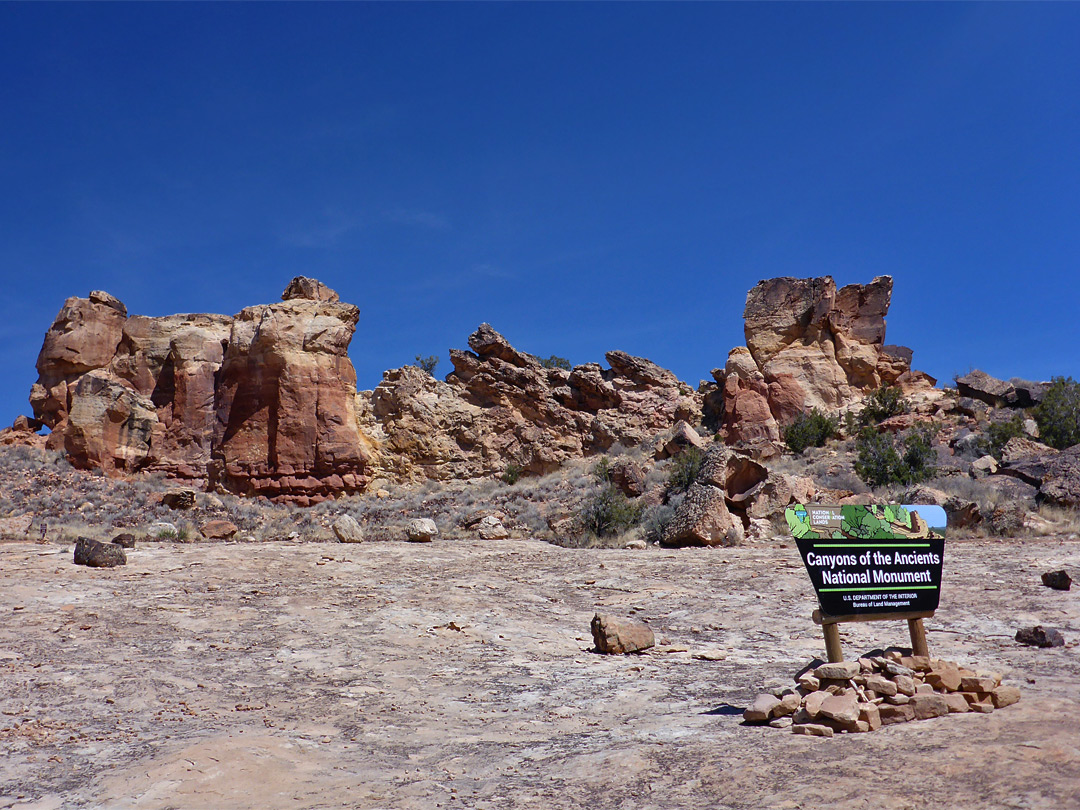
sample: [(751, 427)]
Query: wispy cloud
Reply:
[(470, 275), (422, 219), (331, 228)]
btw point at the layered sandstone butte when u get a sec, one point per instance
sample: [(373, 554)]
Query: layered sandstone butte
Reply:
[(501, 407), (263, 403), (285, 407), (808, 345)]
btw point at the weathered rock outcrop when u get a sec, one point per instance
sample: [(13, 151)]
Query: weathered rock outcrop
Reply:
[(174, 361), (286, 402), (263, 403), (734, 496), (501, 407), (807, 345), (83, 338), (997, 393)]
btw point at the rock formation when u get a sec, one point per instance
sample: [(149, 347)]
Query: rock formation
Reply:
[(263, 403), (285, 407), (733, 497), (501, 407), (808, 345)]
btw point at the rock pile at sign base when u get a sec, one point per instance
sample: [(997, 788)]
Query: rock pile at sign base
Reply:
[(864, 695)]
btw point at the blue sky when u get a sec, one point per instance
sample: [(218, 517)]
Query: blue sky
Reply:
[(584, 177)]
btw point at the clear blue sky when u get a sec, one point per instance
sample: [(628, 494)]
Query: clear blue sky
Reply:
[(584, 177)]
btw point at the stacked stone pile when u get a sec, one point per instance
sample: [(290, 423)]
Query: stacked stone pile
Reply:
[(864, 695)]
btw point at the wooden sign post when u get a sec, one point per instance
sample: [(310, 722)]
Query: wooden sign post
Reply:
[(871, 563)]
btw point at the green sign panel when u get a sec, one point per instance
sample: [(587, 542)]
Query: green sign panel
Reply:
[(871, 559)]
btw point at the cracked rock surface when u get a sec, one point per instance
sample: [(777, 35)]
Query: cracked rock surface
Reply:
[(459, 674)]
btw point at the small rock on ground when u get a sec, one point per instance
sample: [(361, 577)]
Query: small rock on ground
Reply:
[(1040, 636)]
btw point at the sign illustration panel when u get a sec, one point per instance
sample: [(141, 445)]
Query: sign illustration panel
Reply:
[(871, 559)]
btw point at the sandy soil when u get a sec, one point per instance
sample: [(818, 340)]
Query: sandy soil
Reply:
[(458, 674)]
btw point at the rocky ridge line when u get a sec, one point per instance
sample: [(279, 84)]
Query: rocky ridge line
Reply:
[(265, 402)]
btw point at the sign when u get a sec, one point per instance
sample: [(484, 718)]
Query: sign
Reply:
[(871, 559)]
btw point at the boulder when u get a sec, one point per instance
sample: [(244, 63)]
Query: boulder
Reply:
[(968, 445), (702, 519), (1020, 449), (1004, 696), (891, 714), (838, 670), (813, 701), (98, 555), (179, 499), (627, 476), (928, 706), (843, 708), (124, 540), (983, 466), (682, 437), (812, 730), (981, 386), (613, 635), (491, 528), (760, 711), (957, 703), (1061, 482), (421, 530), (881, 685), (1007, 520), (218, 529), (1040, 636), (1058, 580), (1026, 394), (347, 529), (944, 678)]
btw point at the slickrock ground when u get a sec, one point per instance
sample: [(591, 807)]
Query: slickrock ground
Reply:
[(457, 674)]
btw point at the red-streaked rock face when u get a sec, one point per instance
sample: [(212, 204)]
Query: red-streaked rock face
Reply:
[(83, 337), (263, 403), (286, 422), (174, 360)]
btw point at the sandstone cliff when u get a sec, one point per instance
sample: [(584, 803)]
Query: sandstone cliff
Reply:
[(263, 403), (808, 345)]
